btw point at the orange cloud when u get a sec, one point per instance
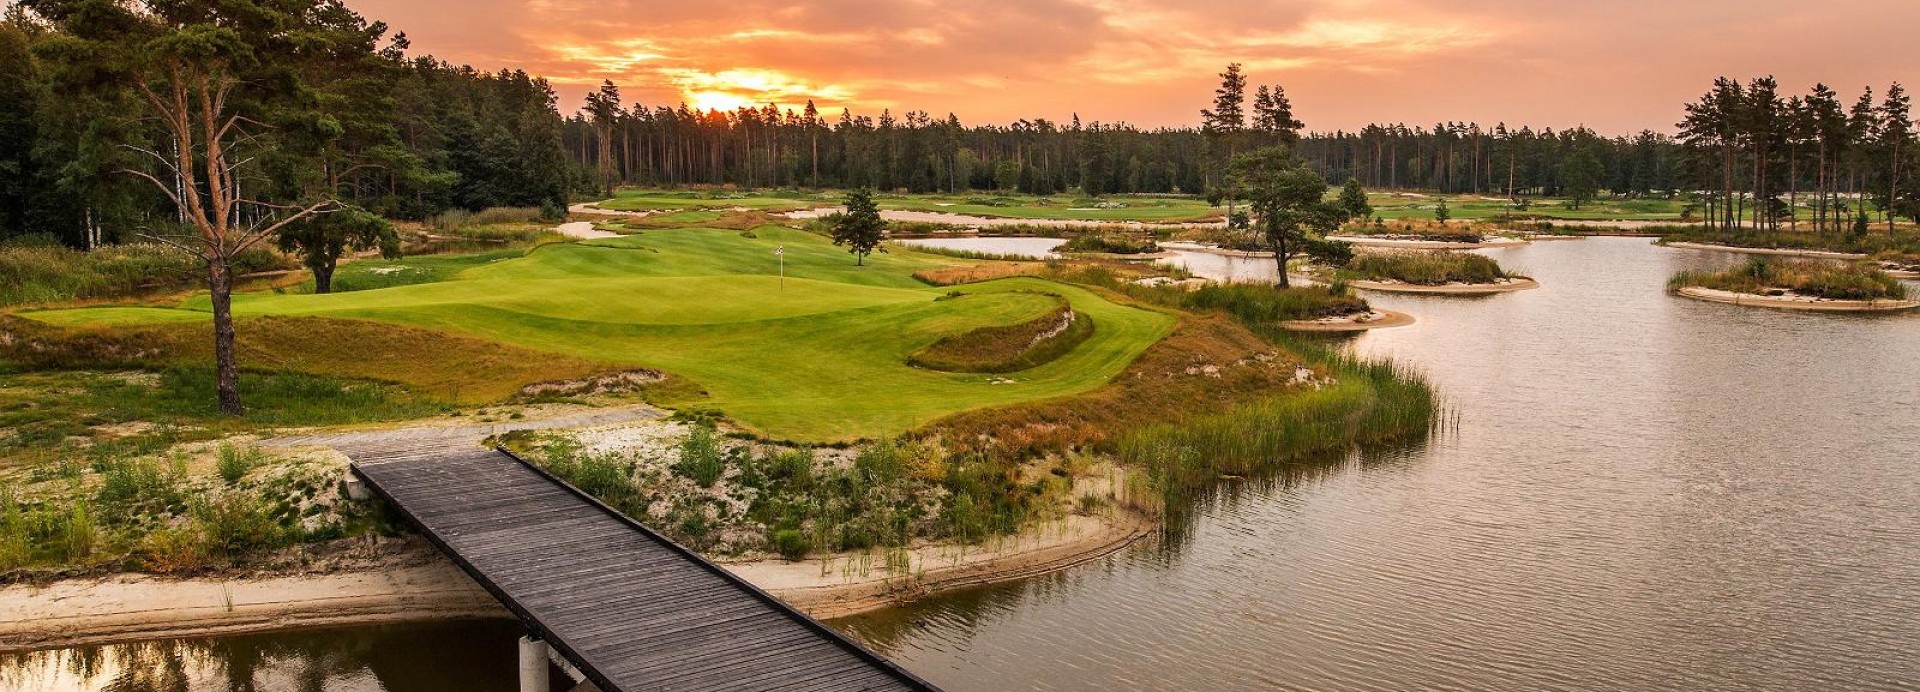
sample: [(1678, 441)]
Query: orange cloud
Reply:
[(1619, 65)]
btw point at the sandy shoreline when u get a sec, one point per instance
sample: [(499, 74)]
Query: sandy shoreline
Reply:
[(1378, 319), (1455, 289), (1817, 254), (1795, 302), (418, 584), (1410, 244)]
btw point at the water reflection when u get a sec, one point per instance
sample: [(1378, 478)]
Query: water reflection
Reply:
[(1642, 492), (475, 655)]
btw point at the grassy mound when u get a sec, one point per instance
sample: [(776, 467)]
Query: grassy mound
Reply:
[(1425, 268), (1769, 276), (1011, 348), (819, 356)]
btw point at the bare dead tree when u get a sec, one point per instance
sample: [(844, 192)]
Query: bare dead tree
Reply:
[(190, 98)]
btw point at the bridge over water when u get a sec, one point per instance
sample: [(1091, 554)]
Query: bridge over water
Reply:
[(616, 603)]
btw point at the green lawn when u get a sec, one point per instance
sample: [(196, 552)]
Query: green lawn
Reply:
[(820, 359), (1469, 207)]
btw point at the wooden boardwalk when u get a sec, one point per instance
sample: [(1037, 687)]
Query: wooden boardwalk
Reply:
[(630, 609)]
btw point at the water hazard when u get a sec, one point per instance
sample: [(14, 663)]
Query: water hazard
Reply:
[(1641, 492)]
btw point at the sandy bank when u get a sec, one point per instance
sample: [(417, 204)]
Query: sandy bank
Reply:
[(849, 584), (1377, 319), (1817, 254), (418, 584), (583, 230), (135, 607), (1796, 302), (1411, 244), (594, 208), (1457, 289)]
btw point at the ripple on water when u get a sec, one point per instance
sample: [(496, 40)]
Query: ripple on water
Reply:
[(1643, 493)]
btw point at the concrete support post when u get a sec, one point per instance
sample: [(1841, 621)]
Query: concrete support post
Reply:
[(533, 665)]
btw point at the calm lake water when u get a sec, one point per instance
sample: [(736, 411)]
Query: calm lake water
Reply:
[(1641, 492)]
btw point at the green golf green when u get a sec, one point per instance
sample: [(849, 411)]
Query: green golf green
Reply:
[(817, 356)]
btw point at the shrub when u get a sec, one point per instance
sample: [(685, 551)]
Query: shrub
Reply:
[(235, 522), (139, 483), (235, 462), (15, 548), (791, 544), (174, 550), (700, 458)]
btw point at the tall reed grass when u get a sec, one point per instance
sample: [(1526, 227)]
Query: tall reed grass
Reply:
[(1369, 403), (38, 272)]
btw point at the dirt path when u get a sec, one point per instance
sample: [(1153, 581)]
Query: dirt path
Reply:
[(458, 433)]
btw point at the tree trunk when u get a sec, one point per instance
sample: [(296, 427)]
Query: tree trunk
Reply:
[(323, 276), (226, 366), (1280, 252)]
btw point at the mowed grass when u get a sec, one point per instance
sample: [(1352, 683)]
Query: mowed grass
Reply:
[(818, 357), (1391, 205)]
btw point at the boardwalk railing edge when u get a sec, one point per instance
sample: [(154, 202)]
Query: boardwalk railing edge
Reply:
[(540, 628), (833, 635)]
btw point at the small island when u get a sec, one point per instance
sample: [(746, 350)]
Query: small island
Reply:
[(1798, 285), (1416, 271)]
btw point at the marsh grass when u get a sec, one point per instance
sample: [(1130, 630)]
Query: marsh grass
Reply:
[(1426, 268), (1110, 243), (1830, 280), (1878, 240), (1368, 403)]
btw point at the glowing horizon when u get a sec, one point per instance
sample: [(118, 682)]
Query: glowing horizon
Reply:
[(1619, 67)]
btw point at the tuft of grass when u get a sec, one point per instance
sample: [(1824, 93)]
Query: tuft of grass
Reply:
[(235, 462), (1771, 276)]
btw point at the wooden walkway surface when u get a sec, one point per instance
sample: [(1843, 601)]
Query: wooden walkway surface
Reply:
[(629, 608)]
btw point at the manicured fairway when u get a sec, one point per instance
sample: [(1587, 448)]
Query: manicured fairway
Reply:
[(820, 359)]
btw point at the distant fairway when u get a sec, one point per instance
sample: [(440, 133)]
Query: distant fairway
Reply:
[(988, 204), (822, 359)]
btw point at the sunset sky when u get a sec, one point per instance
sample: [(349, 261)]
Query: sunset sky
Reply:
[(1618, 66)]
